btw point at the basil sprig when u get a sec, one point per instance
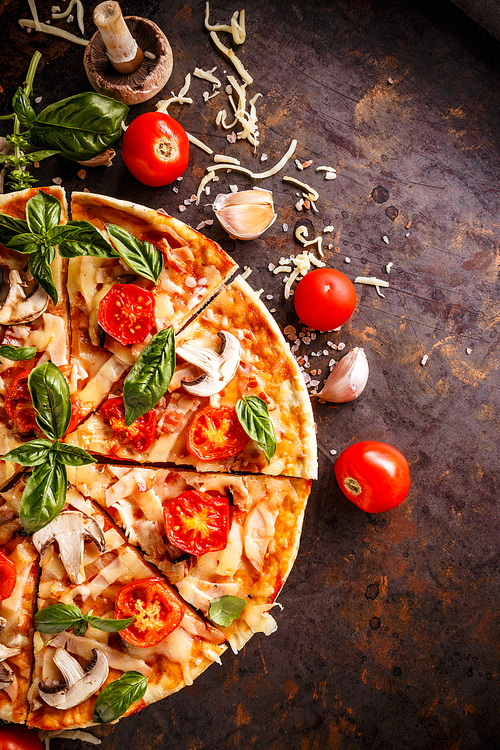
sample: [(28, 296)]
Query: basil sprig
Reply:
[(150, 376), (253, 416), (59, 617), (118, 696), (143, 257), (225, 609), (17, 353), (45, 492)]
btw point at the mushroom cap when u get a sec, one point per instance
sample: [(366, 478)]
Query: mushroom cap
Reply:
[(147, 80)]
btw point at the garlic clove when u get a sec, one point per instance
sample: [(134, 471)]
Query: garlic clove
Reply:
[(247, 214), (348, 378)]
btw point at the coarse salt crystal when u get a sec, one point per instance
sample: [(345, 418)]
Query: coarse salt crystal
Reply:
[(209, 222), (38, 99), (269, 296), (468, 351), (271, 267), (233, 188), (347, 260), (57, 181), (82, 174), (424, 359), (333, 451), (182, 208), (285, 227), (263, 157), (341, 346), (385, 239), (175, 189)]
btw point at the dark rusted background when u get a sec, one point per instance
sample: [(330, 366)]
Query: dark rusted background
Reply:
[(389, 637)]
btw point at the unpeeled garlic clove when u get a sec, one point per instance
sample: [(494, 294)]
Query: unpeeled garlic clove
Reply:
[(348, 378), (245, 215)]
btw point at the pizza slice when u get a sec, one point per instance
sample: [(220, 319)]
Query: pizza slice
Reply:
[(227, 543), (33, 321), (236, 402), (111, 634), (114, 309), (18, 578)]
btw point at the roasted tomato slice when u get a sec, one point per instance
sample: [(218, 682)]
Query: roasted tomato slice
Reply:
[(8, 576), (157, 611), (18, 403), (140, 433), (127, 313), (197, 522), (76, 414), (215, 433)]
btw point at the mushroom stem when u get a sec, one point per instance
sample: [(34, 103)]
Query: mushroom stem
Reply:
[(124, 54)]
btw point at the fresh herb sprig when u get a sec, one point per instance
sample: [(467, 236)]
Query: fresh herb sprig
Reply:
[(118, 696), (253, 415), (59, 617), (45, 492), (225, 609), (150, 376), (17, 353)]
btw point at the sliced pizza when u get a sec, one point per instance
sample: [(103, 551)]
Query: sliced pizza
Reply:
[(18, 578), (33, 323), (114, 309), (226, 542), (236, 402), (111, 634)]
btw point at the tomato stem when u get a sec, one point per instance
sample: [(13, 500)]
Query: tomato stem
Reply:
[(352, 486)]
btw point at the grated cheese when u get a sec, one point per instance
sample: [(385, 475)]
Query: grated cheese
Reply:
[(233, 59), (372, 281), (311, 192), (207, 75), (46, 29), (200, 144), (224, 159), (181, 98), (79, 13), (237, 28), (330, 172)]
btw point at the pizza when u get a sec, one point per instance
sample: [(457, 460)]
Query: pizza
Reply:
[(167, 445)]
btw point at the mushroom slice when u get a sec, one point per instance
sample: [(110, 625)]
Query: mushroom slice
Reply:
[(6, 675), (6, 652), (218, 368), (18, 308), (79, 684), (69, 530)]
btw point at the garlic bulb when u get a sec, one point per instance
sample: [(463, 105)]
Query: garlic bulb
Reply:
[(245, 215), (348, 378)]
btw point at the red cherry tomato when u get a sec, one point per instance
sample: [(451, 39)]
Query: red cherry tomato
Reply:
[(157, 611), (18, 403), (15, 737), (155, 148), (76, 414), (215, 433), (324, 299), (197, 522), (373, 475), (8, 576), (140, 433), (127, 313)]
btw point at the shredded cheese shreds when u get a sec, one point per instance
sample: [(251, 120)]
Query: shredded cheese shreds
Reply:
[(46, 29), (207, 75), (237, 28), (229, 159), (34, 13), (233, 59), (79, 13), (181, 98), (69, 734), (247, 120), (372, 281), (330, 172), (311, 192), (301, 234), (200, 144)]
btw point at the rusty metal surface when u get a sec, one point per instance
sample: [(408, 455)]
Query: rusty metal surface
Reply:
[(389, 637)]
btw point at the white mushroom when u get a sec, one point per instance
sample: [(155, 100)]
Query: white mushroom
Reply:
[(218, 367), (6, 675), (19, 308), (6, 652), (79, 684), (69, 530)]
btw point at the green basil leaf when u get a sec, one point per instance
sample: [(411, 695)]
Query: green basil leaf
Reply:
[(22, 107), (43, 212), (39, 155), (80, 627), (109, 625), (10, 228), (224, 610), (44, 495), (118, 696), (27, 242), (39, 267), (150, 376), (17, 353), (81, 238), (50, 395), (72, 455), (57, 617), (142, 257), (253, 415), (81, 126), (33, 453)]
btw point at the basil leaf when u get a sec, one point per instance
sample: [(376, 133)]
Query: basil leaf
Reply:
[(17, 353), (50, 395), (57, 617), (22, 107), (118, 696), (80, 627), (72, 455), (253, 415), (224, 610), (33, 453), (81, 238), (109, 625), (44, 495), (80, 126), (27, 242), (39, 268), (43, 212), (142, 257), (39, 155), (150, 376), (10, 228)]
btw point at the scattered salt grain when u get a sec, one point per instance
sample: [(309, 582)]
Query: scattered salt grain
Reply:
[(263, 157), (233, 188), (389, 266), (231, 137), (333, 452), (424, 359), (329, 228), (209, 222), (285, 227), (182, 208), (390, 81), (407, 234), (468, 351), (385, 239), (57, 181), (179, 179), (269, 296), (271, 267), (341, 346), (347, 260), (175, 189), (82, 174), (38, 99)]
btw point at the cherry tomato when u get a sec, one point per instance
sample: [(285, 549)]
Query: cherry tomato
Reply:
[(215, 433), (8, 576), (16, 737), (127, 313), (155, 148), (373, 475), (197, 522), (76, 414), (18, 403), (157, 611), (140, 433), (324, 299)]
